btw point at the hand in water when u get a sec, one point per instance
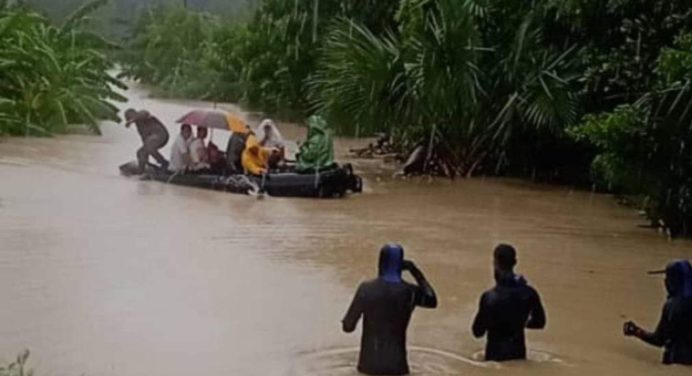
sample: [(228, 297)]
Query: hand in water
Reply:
[(630, 329)]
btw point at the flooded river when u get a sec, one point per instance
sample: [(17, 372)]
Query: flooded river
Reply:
[(102, 275)]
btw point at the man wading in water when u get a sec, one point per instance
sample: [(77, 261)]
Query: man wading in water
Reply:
[(506, 309), (154, 137), (386, 304), (674, 330)]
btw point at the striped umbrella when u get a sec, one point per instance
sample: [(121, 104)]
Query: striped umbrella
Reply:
[(215, 119)]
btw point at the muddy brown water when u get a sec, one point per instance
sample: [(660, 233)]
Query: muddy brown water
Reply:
[(103, 275)]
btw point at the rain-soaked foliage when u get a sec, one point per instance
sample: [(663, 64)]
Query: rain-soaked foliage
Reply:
[(572, 91), (644, 147), (52, 76)]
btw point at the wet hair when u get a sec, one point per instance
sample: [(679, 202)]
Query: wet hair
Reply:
[(130, 113), (186, 127), (505, 256)]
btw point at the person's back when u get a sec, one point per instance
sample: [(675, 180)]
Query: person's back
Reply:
[(234, 151), (154, 136), (148, 125), (255, 158), (317, 152), (386, 304), (507, 309), (678, 339), (387, 309)]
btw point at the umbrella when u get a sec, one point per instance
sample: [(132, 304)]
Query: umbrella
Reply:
[(215, 119)]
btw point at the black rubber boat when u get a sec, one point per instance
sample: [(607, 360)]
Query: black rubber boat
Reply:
[(329, 183)]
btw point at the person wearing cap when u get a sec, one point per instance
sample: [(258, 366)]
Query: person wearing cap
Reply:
[(386, 304), (507, 309), (154, 137), (674, 329)]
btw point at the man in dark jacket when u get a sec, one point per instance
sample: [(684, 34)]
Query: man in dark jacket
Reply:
[(154, 137), (507, 309), (674, 330), (234, 150), (386, 304)]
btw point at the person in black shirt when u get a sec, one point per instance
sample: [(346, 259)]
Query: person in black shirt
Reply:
[(386, 304), (506, 309), (154, 137), (674, 330)]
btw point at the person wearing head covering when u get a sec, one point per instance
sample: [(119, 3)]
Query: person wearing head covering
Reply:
[(507, 309), (154, 136), (268, 134), (317, 152), (674, 330), (255, 158), (386, 304)]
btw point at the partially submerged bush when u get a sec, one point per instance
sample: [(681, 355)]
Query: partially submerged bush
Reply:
[(18, 367)]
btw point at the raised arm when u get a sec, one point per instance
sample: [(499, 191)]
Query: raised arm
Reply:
[(426, 297), (355, 310)]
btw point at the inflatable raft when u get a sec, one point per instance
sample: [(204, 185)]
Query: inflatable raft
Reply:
[(333, 182)]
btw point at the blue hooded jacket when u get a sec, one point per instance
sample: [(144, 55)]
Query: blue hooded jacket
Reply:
[(679, 279), (391, 262), (674, 329)]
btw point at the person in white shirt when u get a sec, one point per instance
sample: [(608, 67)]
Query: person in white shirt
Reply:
[(180, 153), (198, 152)]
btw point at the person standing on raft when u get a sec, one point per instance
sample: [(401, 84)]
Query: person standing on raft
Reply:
[(386, 304), (154, 137), (674, 330), (507, 309)]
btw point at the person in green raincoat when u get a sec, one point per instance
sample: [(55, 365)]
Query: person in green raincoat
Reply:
[(317, 152)]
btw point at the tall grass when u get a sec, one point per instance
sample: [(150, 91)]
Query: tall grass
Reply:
[(53, 75)]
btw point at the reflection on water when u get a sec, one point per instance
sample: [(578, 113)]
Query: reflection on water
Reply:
[(535, 356), (102, 275), (422, 362)]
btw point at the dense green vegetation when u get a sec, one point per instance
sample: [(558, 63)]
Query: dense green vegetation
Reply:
[(644, 147), (52, 76), (575, 91), (115, 18)]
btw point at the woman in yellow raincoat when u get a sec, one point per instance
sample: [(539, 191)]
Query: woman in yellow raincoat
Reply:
[(255, 158)]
